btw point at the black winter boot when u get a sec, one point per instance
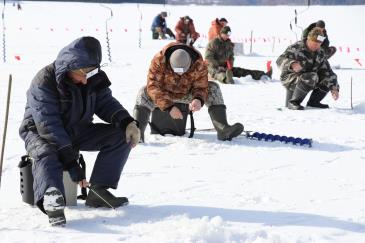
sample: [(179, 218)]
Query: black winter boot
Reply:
[(99, 196), (257, 74), (240, 72), (315, 99), (300, 91), (142, 115), (219, 119)]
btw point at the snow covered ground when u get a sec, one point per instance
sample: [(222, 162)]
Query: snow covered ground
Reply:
[(202, 189)]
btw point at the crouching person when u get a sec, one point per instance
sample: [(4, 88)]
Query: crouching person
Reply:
[(61, 102), (219, 55), (177, 74), (304, 67)]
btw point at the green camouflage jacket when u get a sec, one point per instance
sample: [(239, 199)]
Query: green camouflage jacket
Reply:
[(218, 52), (313, 62)]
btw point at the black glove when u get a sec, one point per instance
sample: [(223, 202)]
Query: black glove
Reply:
[(67, 155), (76, 172)]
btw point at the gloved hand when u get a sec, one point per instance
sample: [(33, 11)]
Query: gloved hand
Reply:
[(67, 155), (75, 171), (132, 134)]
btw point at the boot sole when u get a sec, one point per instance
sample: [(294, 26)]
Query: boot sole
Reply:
[(318, 107), (233, 135), (92, 205), (55, 207), (57, 218)]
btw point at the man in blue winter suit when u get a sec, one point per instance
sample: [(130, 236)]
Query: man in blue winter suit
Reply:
[(159, 28), (61, 102)]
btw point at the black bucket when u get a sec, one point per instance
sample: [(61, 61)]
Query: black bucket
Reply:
[(162, 123), (26, 180)]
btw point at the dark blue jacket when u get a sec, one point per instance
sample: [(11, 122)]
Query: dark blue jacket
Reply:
[(158, 21), (57, 109)]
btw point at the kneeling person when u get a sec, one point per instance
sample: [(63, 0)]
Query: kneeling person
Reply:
[(177, 74)]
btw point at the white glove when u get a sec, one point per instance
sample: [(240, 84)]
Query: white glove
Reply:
[(132, 134)]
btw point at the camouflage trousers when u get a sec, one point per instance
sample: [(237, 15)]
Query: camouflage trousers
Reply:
[(215, 97), (310, 79)]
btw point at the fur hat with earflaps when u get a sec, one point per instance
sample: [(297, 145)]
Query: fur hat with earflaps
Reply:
[(316, 34)]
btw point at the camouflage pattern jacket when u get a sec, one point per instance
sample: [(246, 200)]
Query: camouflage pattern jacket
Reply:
[(164, 86), (218, 52), (315, 62)]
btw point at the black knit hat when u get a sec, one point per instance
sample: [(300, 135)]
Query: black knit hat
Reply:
[(223, 20), (320, 24), (187, 17), (226, 30)]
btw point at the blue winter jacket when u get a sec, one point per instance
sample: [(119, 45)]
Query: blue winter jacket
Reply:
[(57, 109), (158, 21)]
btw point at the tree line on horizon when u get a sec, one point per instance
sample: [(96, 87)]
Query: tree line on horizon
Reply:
[(224, 2)]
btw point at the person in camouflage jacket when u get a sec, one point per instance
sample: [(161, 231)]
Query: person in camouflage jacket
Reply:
[(329, 50), (220, 57), (178, 74), (304, 67)]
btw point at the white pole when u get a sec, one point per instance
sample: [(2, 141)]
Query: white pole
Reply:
[(139, 27), (351, 94), (273, 44), (251, 41)]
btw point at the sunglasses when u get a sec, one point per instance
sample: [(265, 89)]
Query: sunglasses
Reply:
[(86, 72)]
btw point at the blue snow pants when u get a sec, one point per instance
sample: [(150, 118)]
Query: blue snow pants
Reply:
[(113, 153)]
